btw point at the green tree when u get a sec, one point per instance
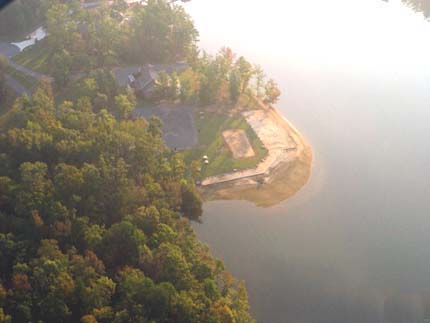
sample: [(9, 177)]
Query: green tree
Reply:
[(121, 245), (245, 72), (259, 81), (91, 224), (191, 202), (161, 32), (190, 85), (36, 189), (272, 92), (235, 86), (171, 266), (124, 106), (61, 66)]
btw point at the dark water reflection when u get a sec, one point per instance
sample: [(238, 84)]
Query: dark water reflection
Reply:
[(354, 244)]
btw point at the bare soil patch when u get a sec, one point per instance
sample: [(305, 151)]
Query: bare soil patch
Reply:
[(284, 171), (239, 144)]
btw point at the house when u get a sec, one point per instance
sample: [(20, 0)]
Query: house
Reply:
[(144, 78), (143, 82)]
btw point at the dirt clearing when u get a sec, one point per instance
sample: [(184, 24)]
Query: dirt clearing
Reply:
[(238, 142)]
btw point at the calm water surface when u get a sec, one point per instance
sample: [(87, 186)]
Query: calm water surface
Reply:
[(354, 244)]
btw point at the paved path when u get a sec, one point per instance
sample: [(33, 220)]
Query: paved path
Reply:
[(25, 70), (29, 72), (8, 50)]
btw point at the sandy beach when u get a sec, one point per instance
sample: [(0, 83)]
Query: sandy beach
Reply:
[(284, 171)]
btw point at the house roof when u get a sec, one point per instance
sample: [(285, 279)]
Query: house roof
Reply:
[(146, 77)]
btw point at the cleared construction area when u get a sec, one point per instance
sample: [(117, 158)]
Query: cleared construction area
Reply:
[(276, 137), (238, 143), (286, 168)]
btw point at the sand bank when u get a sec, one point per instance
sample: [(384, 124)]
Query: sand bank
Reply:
[(284, 171)]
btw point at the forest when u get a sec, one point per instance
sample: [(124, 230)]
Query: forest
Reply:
[(82, 41), (94, 209), (93, 222)]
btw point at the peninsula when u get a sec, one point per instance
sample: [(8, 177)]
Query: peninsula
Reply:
[(280, 174), (111, 131)]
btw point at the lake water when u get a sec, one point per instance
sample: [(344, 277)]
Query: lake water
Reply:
[(354, 244)]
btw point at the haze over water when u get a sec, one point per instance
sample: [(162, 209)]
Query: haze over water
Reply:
[(354, 244)]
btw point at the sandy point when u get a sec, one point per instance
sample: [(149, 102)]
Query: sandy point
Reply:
[(284, 171)]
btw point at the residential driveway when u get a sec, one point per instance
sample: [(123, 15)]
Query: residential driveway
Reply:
[(8, 50), (29, 72), (178, 125)]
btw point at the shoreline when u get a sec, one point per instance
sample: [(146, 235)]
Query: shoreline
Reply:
[(285, 170)]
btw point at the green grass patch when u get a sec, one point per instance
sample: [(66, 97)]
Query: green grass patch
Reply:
[(25, 80), (36, 57), (212, 144), (209, 126)]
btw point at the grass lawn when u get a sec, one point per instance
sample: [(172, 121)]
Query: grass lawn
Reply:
[(27, 81), (36, 57), (212, 144)]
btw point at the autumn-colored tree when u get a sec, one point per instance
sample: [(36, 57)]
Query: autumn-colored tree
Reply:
[(93, 221)]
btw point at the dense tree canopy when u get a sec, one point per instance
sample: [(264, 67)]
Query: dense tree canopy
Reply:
[(160, 31), (220, 79), (93, 221), (94, 208), (157, 32)]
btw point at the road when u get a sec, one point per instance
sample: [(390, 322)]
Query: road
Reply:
[(8, 50), (29, 72)]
